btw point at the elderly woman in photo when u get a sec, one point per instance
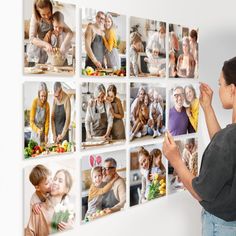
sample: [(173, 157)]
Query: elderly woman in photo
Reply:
[(45, 223), (99, 119), (110, 42), (157, 43), (39, 116), (186, 62)]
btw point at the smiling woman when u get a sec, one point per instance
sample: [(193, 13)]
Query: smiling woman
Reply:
[(47, 220)]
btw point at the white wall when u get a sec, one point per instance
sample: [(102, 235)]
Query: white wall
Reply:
[(177, 214)]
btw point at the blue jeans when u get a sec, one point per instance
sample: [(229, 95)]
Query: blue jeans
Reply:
[(214, 226)]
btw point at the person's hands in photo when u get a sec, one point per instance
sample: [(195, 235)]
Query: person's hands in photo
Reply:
[(112, 112), (48, 47), (206, 94), (59, 138), (46, 139), (65, 226), (36, 208), (98, 64), (170, 149), (188, 111), (40, 131), (107, 210)]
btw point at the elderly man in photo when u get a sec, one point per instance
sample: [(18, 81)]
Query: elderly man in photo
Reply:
[(61, 114), (115, 199), (178, 120), (94, 45)]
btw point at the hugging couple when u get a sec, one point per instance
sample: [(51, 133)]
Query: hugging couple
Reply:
[(107, 192), (50, 206)]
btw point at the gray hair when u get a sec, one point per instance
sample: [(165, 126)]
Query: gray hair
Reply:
[(190, 86), (99, 89), (42, 87), (178, 87), (112, 160), (57, 86), (108, 15)]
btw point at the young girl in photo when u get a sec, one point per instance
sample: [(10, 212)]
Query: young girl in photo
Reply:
[(193, 102), (158, 166), (97, 189), (148, 171), (110, 42), (154, 123)]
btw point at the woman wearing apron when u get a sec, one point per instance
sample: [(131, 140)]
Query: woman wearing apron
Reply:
[(111, 54), (94, 46), (39, 116), (118, 129), (61, 113), (40, 24), (98, 119)]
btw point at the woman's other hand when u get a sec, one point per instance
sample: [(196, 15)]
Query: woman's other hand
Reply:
[(170, 149), (65, 226), (48, 47), (206, 94)]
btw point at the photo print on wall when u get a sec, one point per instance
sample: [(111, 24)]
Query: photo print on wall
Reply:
[(183, 52), (103, 43), (147, 111), (49, 118), (49, 38), (147, 48), (147, 174), (103, 184), (103, 114), (49, 197), (189, 152), (184, 109)]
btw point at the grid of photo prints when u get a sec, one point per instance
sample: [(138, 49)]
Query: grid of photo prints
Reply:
[(96, 108)]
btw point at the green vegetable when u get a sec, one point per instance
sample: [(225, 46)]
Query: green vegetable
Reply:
[(32, 144), (27, 152)]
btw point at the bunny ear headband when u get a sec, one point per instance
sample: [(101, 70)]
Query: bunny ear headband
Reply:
[(95, 161)]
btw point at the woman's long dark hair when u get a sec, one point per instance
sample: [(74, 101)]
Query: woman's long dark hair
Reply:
[(229, 71)]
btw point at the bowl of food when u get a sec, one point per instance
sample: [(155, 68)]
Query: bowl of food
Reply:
[(56, 58)]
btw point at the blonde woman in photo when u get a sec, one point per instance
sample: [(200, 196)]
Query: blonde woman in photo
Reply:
[(110, 42)]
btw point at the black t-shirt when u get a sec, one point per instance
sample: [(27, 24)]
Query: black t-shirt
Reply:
[(216, 183)]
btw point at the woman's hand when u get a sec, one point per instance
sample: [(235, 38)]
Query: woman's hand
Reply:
[(48, 47), (46, 139), (206, 94), (170, 149), (98, 64), (65, 226), (188, 111)]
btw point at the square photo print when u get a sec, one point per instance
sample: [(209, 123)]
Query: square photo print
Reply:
[(103, 114), (147, 174), (49, 197), (49, 37), (189, 153), (103, 43), (147, 111), (103, 184), (183, 109), (49, 118), (147, 48), (183, 52)]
